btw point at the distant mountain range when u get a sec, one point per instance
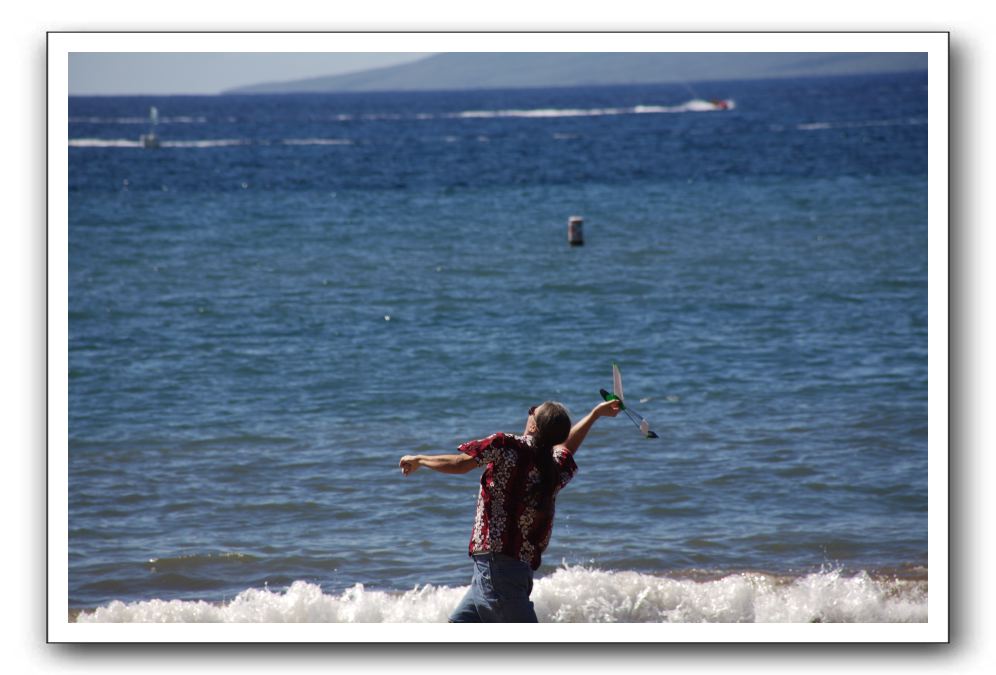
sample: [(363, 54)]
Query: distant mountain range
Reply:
[(477, 70)]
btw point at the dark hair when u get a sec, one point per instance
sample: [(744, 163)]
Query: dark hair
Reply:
[(553, 425)]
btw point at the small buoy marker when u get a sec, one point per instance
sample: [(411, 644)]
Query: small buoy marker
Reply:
[(575, 235)]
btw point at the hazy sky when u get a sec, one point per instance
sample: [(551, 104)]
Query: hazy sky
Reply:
[(209, 73)]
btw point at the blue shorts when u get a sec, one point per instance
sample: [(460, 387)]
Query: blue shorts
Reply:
[(499, 592)]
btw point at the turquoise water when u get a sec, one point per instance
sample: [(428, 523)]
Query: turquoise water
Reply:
[(294, 291)]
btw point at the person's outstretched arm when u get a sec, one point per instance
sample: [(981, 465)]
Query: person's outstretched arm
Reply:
[(441, 463), (580, 429)]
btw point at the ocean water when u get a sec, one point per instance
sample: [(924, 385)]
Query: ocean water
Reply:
[(267, 311)]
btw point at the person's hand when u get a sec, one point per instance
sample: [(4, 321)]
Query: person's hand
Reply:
[(408, 464), (607, 409)]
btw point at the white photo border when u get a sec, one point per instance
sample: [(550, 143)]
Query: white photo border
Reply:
[(935, 44)]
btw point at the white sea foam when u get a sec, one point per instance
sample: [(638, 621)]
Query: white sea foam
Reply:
[(540, 112), (303, 602), (571, 594), (130, 143), (204, 143), (695, 105), (208, 143), (817, 126), (104, 143), (181, 119), (581, 595), (317, 141)]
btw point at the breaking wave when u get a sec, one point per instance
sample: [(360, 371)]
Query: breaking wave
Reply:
[(570, 595)]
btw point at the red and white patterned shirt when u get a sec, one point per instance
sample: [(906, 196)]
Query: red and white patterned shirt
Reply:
[(510, 517)]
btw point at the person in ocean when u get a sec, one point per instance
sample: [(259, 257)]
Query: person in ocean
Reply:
[(515, 506)]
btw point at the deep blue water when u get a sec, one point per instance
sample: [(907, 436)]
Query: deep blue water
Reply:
[(292, 292)]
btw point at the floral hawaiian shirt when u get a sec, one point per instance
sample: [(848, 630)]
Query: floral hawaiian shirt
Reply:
[(510, 518)]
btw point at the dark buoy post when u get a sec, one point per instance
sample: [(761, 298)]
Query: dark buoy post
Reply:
[(575, 235)]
